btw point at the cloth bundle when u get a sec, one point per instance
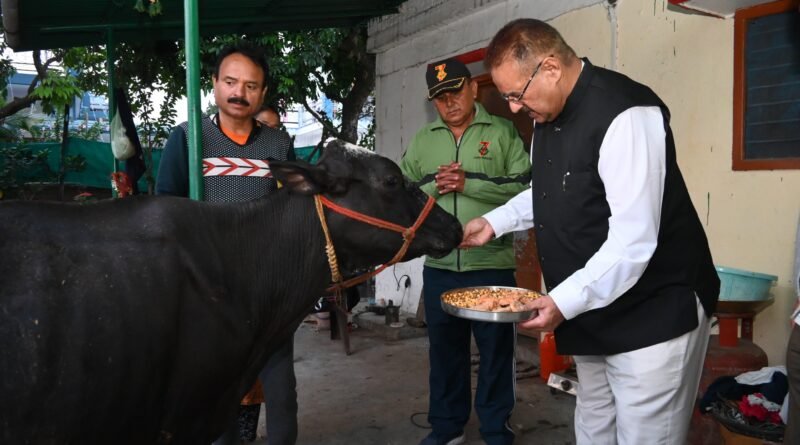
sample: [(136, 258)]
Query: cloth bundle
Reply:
[(760, 394)]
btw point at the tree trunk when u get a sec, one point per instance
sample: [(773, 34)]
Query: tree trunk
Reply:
[(21, 103), (62, 167), (363, 83), (16, 105)]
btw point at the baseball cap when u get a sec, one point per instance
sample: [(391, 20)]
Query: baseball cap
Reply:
[(446, 75)]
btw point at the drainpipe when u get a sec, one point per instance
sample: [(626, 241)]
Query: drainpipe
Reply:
[(611, 6)]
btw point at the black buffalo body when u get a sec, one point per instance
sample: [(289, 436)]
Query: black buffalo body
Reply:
[(144, 320)]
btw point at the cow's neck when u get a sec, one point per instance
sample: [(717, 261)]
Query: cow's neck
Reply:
[(283, 269)]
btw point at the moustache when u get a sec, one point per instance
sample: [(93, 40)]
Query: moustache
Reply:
[(238, 100), (527, 109)]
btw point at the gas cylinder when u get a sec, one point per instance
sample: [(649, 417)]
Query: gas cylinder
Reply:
[(549, 360)]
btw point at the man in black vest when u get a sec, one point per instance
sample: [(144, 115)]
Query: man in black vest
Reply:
[(624, 256), (236, 154)]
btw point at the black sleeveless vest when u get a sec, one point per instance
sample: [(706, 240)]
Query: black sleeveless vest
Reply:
[(571, 216)]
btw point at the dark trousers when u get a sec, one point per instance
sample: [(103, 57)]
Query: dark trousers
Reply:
[(450, 384), (280, 396), (792, 434), (280, 400)]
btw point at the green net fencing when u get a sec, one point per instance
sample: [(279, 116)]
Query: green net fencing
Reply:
[(100, 162), (97, 155), (307, 154)]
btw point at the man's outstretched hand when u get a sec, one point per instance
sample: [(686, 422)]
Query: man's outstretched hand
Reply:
[(477, 232)]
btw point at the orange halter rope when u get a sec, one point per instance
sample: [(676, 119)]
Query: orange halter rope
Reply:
[(408, 235)]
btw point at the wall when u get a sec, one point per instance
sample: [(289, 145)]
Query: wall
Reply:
[(750, 217), (429, 30)]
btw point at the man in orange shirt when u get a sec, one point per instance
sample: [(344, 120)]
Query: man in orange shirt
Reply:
[(236, 147), (236, 154)]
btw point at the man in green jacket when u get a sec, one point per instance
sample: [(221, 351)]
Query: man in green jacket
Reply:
[(471, 162)]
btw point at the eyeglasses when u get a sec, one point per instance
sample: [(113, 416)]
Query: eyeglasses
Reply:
[(518, 99)]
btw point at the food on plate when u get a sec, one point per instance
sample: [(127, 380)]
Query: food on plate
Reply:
[(492, 299)]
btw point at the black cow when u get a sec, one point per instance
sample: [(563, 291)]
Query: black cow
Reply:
[(145, 320)]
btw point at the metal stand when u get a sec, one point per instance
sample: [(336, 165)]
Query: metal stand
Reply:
[(339, 327)]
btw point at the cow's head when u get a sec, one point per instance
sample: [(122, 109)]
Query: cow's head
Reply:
[(360, 180)]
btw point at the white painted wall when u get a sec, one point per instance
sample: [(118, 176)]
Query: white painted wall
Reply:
[(750, 217), (687, 59)]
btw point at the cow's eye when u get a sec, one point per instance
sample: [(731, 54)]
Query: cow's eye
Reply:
[(391, 181)]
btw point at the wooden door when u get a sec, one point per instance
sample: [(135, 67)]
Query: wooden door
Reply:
[(529, 274)]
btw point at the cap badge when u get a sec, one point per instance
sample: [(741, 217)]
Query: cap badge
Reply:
[(440, 72)]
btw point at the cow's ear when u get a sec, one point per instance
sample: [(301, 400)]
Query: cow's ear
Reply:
[(333, 175), (297, 176), (306, 179)]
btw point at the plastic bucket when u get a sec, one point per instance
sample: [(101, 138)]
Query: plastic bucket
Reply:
[(743, 285)]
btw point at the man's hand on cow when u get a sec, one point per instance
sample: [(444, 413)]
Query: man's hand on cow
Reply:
[(477, 232), (450, 178), (547, 317)]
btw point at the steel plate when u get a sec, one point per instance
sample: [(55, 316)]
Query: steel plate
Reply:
[(494, 317)]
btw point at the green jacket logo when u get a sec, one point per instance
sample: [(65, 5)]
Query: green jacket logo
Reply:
[(484, 148)]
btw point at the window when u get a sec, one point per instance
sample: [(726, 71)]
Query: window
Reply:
[(766, 83)]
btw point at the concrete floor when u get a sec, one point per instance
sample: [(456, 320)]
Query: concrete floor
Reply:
[(379, 394)]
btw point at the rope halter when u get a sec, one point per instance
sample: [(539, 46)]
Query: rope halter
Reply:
[(408, 234)]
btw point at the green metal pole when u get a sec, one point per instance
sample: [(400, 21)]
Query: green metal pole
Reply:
[(192, 36), (111, 57)]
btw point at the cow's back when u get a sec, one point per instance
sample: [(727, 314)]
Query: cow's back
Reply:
[(77, 303)]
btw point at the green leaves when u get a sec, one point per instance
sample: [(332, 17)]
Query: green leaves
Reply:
[(303, 66), (19, 164), (153, 9), (56, 90)]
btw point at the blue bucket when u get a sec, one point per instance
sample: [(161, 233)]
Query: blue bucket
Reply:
[(743, 285)]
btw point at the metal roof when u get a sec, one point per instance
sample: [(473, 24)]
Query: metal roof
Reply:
[(47, 24)]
